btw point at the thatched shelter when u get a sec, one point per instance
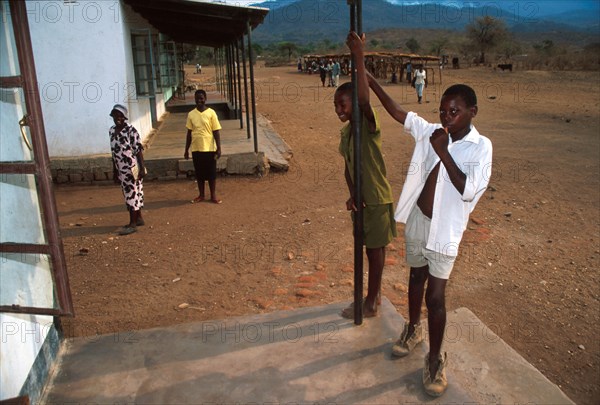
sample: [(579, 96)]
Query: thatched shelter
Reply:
[(382, 65)]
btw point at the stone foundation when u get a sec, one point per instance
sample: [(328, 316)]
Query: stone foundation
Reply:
[(99, 169)]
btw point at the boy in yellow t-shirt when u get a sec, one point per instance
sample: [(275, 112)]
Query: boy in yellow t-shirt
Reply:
[(204, 137)]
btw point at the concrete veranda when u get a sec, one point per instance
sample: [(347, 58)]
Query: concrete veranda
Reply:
[(164, 148), (309, 355)]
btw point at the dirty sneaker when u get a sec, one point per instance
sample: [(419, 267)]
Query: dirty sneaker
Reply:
[(406, 343), (435, 386)]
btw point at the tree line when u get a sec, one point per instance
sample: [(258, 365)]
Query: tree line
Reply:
[(486, 40)]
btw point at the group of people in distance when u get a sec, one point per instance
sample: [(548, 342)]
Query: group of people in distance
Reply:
[(202, 137), (328, 72), (435, 202)]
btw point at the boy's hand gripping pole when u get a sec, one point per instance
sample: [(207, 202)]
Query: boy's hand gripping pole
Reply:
[(356, 26)]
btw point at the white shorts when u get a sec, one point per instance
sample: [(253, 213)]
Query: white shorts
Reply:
[(416, 233)]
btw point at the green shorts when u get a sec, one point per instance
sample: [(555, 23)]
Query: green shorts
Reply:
[(379, 225)]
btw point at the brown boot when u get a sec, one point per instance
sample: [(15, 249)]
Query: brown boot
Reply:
[(437, 385)]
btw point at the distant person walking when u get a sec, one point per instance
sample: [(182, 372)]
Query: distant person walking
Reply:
[(335, 72), (322, 73), (420, 82), (204, 138), (330, 82)]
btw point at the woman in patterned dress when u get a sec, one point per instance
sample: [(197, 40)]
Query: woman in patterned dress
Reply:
[(128, 159)]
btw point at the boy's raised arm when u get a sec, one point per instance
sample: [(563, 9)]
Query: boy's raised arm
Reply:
[(392, 107), (356, 45)]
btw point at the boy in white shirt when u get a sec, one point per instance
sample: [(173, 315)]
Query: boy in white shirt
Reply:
[(449, 171)]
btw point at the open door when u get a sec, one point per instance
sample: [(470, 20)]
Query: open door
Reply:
[(33, 273)]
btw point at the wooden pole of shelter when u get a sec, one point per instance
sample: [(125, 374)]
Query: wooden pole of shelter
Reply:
[(245, 87), (225, 69), (216, 61), (356, 26), (234, 81), (222, 71), (239, 83), (229, 72), (230, 78), (252, 90), (217, 52)]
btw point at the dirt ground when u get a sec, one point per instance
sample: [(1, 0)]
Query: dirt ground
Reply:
[(528, 265)]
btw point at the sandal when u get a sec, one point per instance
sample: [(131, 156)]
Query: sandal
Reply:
[(139, 222), (197, 200), (127, 230), (216, 201)]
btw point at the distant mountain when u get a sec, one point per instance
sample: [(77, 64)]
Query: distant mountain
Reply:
[(305, 21), (584, 19)]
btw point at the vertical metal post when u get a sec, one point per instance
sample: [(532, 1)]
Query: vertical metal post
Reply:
[(246, 88), (356, 26), (252, 90)]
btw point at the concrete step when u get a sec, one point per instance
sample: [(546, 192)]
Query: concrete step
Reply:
[(309, 355)]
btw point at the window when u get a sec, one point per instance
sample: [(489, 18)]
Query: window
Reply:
[(145, 63), (168, 64)]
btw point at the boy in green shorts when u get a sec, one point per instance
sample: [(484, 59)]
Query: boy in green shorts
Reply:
[(379, 225)]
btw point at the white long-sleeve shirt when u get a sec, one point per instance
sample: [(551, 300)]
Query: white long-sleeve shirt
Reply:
[(451, 210)]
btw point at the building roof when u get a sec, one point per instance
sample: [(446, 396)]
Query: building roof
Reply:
[(377, 54), (199, 22)]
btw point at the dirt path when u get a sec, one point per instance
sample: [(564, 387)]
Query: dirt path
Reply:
[(528, 265)]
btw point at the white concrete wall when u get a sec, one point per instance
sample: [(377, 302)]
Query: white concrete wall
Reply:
[(22, 338), (79, 56), (84, 64), (24, 279)]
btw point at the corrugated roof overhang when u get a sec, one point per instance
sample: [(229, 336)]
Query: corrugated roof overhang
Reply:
[(199, 22)]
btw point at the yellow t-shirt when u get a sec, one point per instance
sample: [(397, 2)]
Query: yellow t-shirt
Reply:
[(202, 124)]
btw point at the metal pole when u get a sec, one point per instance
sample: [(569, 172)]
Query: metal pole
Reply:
[(246, 88), (356, 26), (252, 90)]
